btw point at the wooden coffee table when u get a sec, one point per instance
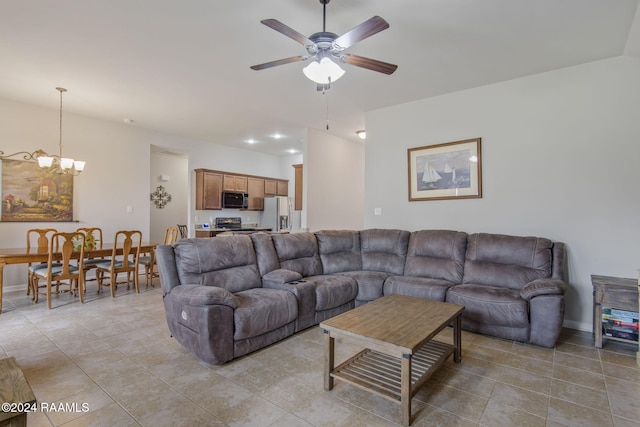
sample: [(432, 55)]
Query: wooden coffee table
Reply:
[(400, 354)]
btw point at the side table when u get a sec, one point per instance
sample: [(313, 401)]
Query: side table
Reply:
[(614, 292)]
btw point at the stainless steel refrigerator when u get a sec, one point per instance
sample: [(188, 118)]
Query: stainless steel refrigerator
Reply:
[(276, 214)]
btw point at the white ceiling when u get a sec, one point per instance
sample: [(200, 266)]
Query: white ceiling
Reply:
[(182, 67)]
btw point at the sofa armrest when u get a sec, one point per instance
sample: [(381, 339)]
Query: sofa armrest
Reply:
[(304, 291), (296, 286), (199, 295), (281, 276), (542, 287)]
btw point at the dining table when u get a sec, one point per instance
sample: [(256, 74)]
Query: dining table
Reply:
[(25, 256)]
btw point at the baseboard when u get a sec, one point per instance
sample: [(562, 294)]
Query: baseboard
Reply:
[(581, 326)]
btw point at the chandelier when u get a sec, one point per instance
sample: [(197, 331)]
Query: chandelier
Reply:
[(54, 163)]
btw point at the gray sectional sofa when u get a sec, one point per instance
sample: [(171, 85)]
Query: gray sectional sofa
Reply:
[(228, 296)]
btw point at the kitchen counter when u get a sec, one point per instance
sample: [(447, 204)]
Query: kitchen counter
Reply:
[(212, 232)]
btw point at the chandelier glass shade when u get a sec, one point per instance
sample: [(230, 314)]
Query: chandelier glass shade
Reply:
[(324, 71)]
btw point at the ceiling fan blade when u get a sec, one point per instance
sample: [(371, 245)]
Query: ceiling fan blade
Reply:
[(366, 29), (368, 63), (279, 62), (288, 31)]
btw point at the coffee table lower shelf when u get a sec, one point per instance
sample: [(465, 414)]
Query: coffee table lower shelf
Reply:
[(381, 373)]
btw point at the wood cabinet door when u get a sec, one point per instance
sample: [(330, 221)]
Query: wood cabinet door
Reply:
[(203, 233), (270, 187), (282, 188), (242, 184), (234, 183), (229, 183), (208, 190), (298, 187), (255, 187)]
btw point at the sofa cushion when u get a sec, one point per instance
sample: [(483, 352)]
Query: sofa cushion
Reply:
[(437, 254), (339, 250), (333, 291), (263, 310), (507, 261), (419, 287), (370, 283), (265, 253), (298, 252), (384, 250), (491, 305), (228, 263)]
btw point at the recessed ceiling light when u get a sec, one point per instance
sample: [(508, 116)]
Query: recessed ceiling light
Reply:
[(128, 120), (292, 151), (362, 134), (250, 141), (277, 136)]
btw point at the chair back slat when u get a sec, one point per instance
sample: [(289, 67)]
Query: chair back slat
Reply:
[(66, 249), (39, 236), (130, 242)]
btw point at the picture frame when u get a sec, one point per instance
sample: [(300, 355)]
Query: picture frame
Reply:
[(30, 193), (452, 170)]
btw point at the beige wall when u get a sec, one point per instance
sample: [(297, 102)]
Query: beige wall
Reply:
[(334, 176), (560, 157)]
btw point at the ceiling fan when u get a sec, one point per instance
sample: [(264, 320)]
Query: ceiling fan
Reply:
[(324, 48)]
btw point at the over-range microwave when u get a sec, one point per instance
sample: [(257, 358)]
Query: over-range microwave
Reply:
[(235, 200)]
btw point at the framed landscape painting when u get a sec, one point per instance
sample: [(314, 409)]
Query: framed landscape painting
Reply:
[(445, 171), (33, 194)]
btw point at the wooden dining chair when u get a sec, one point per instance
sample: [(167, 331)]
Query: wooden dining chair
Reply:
[(129, 243), (38, 238), (149, 262), (184, 233), (93, 240), (62, 272)]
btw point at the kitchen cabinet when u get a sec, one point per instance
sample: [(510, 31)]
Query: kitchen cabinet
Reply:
[(208, 190), (276, 187), (298, 187), (234, 183), (255, 187), (211, 183), (270, 187), (282, 188)]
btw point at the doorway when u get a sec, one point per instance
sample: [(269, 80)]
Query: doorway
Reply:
[(169, 170)]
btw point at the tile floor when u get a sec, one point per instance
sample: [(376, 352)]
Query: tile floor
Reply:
[(116, 356)]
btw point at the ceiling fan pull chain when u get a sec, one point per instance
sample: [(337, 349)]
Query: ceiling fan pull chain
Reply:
[(327, 95)]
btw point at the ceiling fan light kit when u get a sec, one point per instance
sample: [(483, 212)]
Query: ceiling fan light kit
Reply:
[(324, 72), (325, 49)]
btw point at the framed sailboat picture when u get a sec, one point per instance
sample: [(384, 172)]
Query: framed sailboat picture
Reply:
[(452, 170)]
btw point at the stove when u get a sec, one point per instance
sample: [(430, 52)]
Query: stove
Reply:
[(231, 223)]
